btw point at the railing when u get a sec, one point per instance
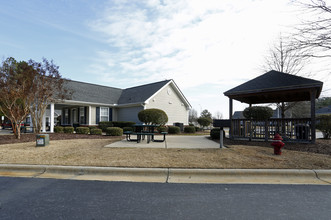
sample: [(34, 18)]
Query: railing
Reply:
[(291, 129)]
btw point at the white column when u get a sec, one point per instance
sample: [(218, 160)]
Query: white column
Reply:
[(44, 123), (89, 115), (52, 118)]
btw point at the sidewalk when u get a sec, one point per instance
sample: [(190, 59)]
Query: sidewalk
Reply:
[(187, 142), (166, 175)]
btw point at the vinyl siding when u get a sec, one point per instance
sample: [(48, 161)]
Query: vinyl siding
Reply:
[(171, 104), (129, 114)]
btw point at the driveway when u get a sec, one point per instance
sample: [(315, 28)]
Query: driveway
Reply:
[(176, 141)]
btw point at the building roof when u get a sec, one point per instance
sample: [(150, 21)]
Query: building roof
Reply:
[(140, 94), (87, 92), (324, 111), (92, 93), (275, 86)]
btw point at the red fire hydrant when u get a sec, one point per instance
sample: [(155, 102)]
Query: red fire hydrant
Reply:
[(278, 144)]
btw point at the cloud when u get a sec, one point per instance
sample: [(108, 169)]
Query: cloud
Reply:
[(193, 42)]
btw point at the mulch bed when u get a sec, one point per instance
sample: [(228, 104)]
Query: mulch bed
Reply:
[(322, 146)]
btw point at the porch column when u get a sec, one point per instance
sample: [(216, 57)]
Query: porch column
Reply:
[(89, 115), (250, 126), (44, 123), (312, 113), (52, 118), (230, 117)]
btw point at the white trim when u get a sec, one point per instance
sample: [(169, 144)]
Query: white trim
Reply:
[(181, 95), (89, 115), (85, 103), (52, 118)]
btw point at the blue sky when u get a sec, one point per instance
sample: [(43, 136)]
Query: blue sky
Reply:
[(207, 47)]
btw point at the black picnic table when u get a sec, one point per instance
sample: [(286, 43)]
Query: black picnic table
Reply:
[(141, 131)]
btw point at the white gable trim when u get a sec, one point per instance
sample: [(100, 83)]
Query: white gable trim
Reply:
[(181, 95)]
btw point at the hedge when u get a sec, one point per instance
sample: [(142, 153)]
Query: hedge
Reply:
[(128, 129), (122, 124), (114, 131), (103, 125), (82, 130), (162, 129), (68, 130), (58, 129), (96, 131), (153, 116), (173, 130), (189, 129)]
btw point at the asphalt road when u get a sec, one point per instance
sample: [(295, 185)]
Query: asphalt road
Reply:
[(30, 198)]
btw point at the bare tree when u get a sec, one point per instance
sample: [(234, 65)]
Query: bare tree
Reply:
[(218, 115), (16, 79), (193, 116), (314, 35), (48, 87), (285, 57)]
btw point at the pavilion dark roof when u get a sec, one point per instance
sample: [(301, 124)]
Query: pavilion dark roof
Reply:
[(275, 86)]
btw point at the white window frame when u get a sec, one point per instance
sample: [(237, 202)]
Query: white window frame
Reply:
[(103, 116)]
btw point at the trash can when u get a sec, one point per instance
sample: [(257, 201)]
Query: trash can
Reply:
[(302, 132), (180, 125), (42, 140)]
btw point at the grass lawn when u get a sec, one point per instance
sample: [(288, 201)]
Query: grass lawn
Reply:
[(91, 152)]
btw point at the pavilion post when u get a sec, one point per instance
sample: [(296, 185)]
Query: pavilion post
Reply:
[(230, 117), (250, 126), (312, 113)]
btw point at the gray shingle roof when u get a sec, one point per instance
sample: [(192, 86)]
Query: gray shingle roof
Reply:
[(277, 85), (86, 92), (324, 110), (140, 94)]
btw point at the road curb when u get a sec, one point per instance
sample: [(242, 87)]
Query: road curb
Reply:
[(170, 175), (253, 176)]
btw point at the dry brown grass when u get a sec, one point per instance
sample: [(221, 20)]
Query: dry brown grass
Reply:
[(91, 152)]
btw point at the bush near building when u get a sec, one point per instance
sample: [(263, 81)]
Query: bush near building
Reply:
[(114, 131)]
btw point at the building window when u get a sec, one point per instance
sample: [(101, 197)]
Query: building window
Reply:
[(104, 114), (82, 115), (66, 116)]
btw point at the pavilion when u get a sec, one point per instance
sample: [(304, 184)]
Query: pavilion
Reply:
[(275, 87)]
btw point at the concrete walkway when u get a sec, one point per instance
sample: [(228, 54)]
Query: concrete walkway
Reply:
[(176, 141)]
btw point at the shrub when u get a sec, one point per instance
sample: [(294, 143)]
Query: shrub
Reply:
[(68, 130), (197, 128), (215, 133), (92, 127), (96, 131), (103, 125), (58, 129), (205, 121), (127, 129), (173, 130), (82, 130), (122, 124), (114, 131), (162, 129), (261, 113), (189, 129), (153, 116), (323, 124)]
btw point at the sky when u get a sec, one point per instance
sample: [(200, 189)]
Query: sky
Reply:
[(207, 47)]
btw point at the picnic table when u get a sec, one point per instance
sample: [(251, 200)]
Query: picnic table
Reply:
[(142, 131)]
